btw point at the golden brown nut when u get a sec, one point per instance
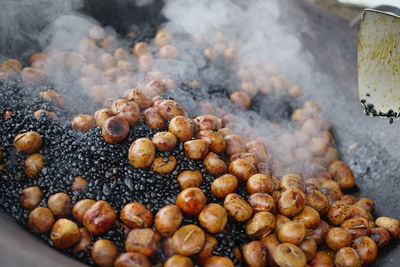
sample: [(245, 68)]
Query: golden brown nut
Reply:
[(208, 248), (64, 234), (178, 261), (224, 185), (260, 183), (169, 109), (162, 38), (345, 178), (144, 241), (11, 65), (237, 207), (31, 197), (309, 216), (318, 201), (347, 257), (84, 241), (289, 255), (322, 259), (260, 225), (164, 141), (99, 218), (214, 164), (338, 212), (291, 232), (234, 144), (213, 217), (338, 238), (195, 149), (188, 240), (132, 259), (154, 88), (356, 226), (142, 153), (291, 202), (216, 142), (217, 261), (258, 148), (153, 119), (309, 247), (255, 254), (164, 165), (190, 178), (59, 204), (40, 220), (104, 253), (191, 201), (80, 208), (139, 98), (208, 122), (28, 143), (292, 181), (33, 165), (181, 127), (390, 224), (102, 115), (129, 111), (136, 215), (168, 219), (115, 129), (41, 112), (366, 249), (55, 98), (82, 122), (262, 202), (242, 169)]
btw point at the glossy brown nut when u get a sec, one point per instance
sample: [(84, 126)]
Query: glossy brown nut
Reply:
[(241, 99), (214, 164), (357, 226), (380, 235), (366, 204), (153, 119), (242, 169), (59, 204), (130, 111), (208, 123), (234, 144), (191, 201), (366, 249), (260, 225), (291, 232), (309, 247), (116, 105), (225, 132), (260, 183), (144, 241), (190, 178), (334, 166), (359, 212), (345, 178), (28, 143), (31, 197), (169, 109), (270, 242), (64, 234), (84, 241), (80, 208), (164, 165), (164, 141), (104, 253), (291, 202), (224, 185), (82, 122), (255, 254), (168, 246), (40, 220), (213, 217), (181, 127), (338, 238), (291, 181), (32, 75), (136, 215), (261, 202), (79, 184), (309, 216), (250, 157), (139, 98), (318, 201), (188, 240), (142, 153), (99, 218), (322, 259), (349, 199), (208, 248), (216, 142), (195, 149), (178, 261), (237, 207), (41, 112), (258, 148), (338, 212), (390, 224), (347, 257), (217, 261), (289, 255), (33, 165), (319, 233), (132, 259), (168, 219), (102, 115)]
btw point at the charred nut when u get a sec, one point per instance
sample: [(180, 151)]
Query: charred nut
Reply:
[(390, 224), (213, 217), (80, 208), (291, 202), (82, 122), (40, 220), (338, 212), (168, 219), (242, 169), (136, 215), (260, 183), (208, 248), (142, 153), (33, 165), (99, 218), (347, 257), (132, 259), (115, 129), (59, 204), (260, 225), (214, 164), (190, 178), (181, 127), (31, 197), (224, 185), (164, 165), (178, 261), (28, 142), (345, 178), (144, 241), (291, 232), (195, 149), (188, 240), (255, 254), (289, 255), (64, 234), (104, 253), (191, 201), (366, 204), (164, 141), (237, 207)]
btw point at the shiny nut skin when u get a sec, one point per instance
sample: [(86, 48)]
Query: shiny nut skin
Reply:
[(143, 240), (28, 143), (153, 119), (260, 183), (164, 141), (250, 157), (102, 115), (99, 218), (345, 178), (338, 238), (168, 219), (190, 178), (104, 253), (115, 129), (338, 212), (80, 207), (322, 259), (366, 204), (83, 122), (136, 215), (214, 164), (217, 261), (168, 246), (291, 202), (255, 254), (309, 248), (291, 232), (292, 181), (224, 185), (59, 204), (318, 201), (178, 261), (31, 197), (390, 224), (309, 216), (258, 148), (169, 109), (181, 127), (208, 248), (141, 153), (319, 233), (280, 220), (380, 235), (234, 144), (366, 249), (191, 201), (347, 257), (260, 225), (130, 111), (335, 166), (289, 255), (242, 169), (64, 234), (261, 202), (270, 242), (188, 240), (213, 218), (216, 142), (33, 165), (139, 98), (132, 259), (40, 220), (237, 207), (84, 241), (195, 149), (357, 226), (164, 165), (117, 104), (208, 122)]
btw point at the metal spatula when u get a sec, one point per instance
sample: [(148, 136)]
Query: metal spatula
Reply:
[(379, 63)]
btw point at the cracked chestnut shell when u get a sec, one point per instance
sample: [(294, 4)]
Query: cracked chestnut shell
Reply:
[(136, 215), (115, 129), (99, 218), (188, 240), (28, 143)]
